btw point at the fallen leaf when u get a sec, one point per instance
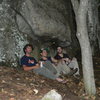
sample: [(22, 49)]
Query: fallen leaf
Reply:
[(12, 99), (36, 91), (3, 81)]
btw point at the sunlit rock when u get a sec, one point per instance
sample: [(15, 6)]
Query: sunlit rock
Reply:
[(42, 22), (11, 41), (45, 18), (52, 95)]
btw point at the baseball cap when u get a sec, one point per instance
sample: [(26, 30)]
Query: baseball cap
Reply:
[(41, 50)]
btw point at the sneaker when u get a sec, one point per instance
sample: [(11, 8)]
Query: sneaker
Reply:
[(77, 76)]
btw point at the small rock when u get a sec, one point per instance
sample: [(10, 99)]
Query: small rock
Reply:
[(3, 81), (18, 79), (52, 95), (36, 91)]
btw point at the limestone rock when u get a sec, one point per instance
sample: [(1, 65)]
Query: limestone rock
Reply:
[(31, 21), (52, 95), (43, 23), (11, 41), (45, 18)]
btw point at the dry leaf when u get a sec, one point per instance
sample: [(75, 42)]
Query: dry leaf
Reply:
[(36, 91), (12, 99), (3, 81)]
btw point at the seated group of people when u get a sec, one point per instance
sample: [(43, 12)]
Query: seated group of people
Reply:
[(50, 67)]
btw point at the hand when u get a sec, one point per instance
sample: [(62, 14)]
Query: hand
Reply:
[(55, 64), (43, 62), (65, 59)]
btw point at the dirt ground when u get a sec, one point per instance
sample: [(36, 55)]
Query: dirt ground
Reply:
[(16, 84)]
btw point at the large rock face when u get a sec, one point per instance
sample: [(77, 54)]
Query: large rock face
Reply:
[(45, 18), (43, 23), (32, 21), (11, 41)]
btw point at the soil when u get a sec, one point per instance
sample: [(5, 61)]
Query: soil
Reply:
[(16, 84)]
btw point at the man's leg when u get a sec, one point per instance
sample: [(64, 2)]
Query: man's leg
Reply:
[(50, 67), (62, 68), (45, 72), (74, 64)]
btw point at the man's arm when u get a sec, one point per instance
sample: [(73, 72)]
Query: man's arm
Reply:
[(26, 68), (54, 60)]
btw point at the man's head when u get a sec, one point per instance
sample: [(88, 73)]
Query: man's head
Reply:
[(59, 49), (28, 48), (44, 52)]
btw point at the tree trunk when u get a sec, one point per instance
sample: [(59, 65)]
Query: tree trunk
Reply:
[(98, 35), (82, 35), (92, 25)]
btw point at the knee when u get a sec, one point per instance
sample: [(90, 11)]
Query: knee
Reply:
[(74, 59)]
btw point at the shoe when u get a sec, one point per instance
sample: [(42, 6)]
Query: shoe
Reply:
[(73, 71), (77, 76)]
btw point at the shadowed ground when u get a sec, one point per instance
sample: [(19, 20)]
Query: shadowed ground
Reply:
[(16, 84)]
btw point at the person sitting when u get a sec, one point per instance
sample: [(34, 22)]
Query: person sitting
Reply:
[(60, 68), (71, 63), (28, 63)]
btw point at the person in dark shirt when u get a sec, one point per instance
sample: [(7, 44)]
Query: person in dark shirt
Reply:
[(59, 68), (59, 57), (29, 63), (72, 63)]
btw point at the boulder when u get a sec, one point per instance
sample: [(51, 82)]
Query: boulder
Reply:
[(41, 22), (52, 95)]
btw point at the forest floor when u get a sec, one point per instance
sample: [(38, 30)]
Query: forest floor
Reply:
[(16, 84)]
